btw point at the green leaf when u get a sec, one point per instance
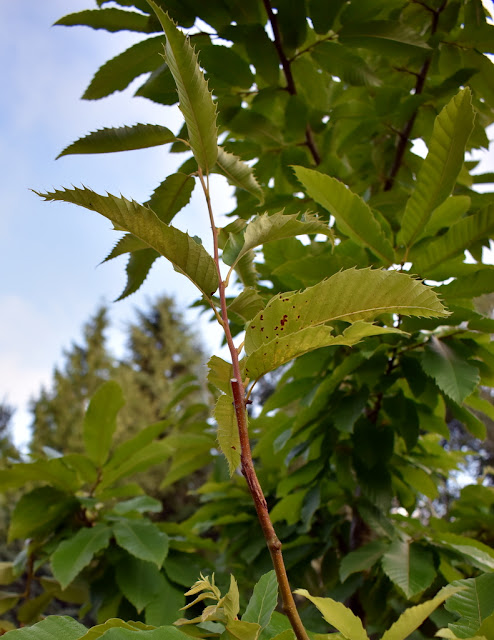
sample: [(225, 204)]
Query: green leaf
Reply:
[(163, 633), (220, 373), (362, 559), (139, 136), (226, 68), (50, 628), (195, 100), (238, 173), (350, 295), (139, 581), (53, 471), (137, 269), (409, 566), (142, 539), (247, 304), (440, 169), (267, 228), (39, 512), (189, 257), (228, 438), (140, 459), (340, 61), (240, 630), (475, 552), (288, 508), (281, 350), (109, 19), (127, 244), (452, 373), (474, 603), (100, 421), (353, 216), (113, 623), (413, 617), (462, 235), (231, 601), (386, 37), (337, 615), (141, 504), (263, 600), (447, 213), (157, 614), (172, 195), (118, 73), (72, 555)]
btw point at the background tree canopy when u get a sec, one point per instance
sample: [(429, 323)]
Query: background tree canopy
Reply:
[(318, 105)]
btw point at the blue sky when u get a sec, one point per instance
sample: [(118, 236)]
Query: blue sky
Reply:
[(49, 279), (50, 283)]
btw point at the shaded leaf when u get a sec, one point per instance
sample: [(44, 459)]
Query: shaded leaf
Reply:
[(384, 36), (353, 216), (142, 539), (339, 616), (172, 195), (113, 623), (137, 269), (109, 19), (475, 552), (462, 235), (267, 228), (409, 566), (127, 244), (238, 173), (440, 169), (139, 136), (474, 603), (228, 438), (100, 420), (263, 600), (118, 73), (362, 559), (49, 628), (189, 257), (195, 100), (452, 373), (241, 630), (139, 581), (74, 554), (247, 304), (220, 373), (447, 213)]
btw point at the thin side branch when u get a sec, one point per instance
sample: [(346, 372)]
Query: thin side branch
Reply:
[(405, 133)]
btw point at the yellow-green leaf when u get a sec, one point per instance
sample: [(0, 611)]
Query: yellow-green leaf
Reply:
[(228, 438)]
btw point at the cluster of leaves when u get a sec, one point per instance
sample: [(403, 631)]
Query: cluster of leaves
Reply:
[(317, 107)]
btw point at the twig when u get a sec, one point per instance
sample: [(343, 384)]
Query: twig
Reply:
[(248, 470)]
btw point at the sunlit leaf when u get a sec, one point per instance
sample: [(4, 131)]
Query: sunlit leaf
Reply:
[(441, 167), (339, 616), (228, 438), (353, 216), (195, 99)]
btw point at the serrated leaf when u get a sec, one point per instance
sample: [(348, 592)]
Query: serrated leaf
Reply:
[(238, 173), (231, 601), (113, 623), (350, 295), (137, 269), (168, 632), (159, 615), (337, 615), (413, 617), (141, 504), (281, 350), (53, 471), (462, 235), (362, 559), (139, 581), (228, 438), (172, 195), (49, 628), (440, 169), (452, 373), (141, 539), (118, 73), (384, 36), (268, 228), (39, 512), (240, 630), (409, 566), (474, 603), (353, 216), (108, 140), (100, 421), (475, 552), (340, 61), (195, 100), (74, 554), (247, 304), (220, 373), (109, 19), (126, 244), (263, 600), (446, 214), (187, 256)]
